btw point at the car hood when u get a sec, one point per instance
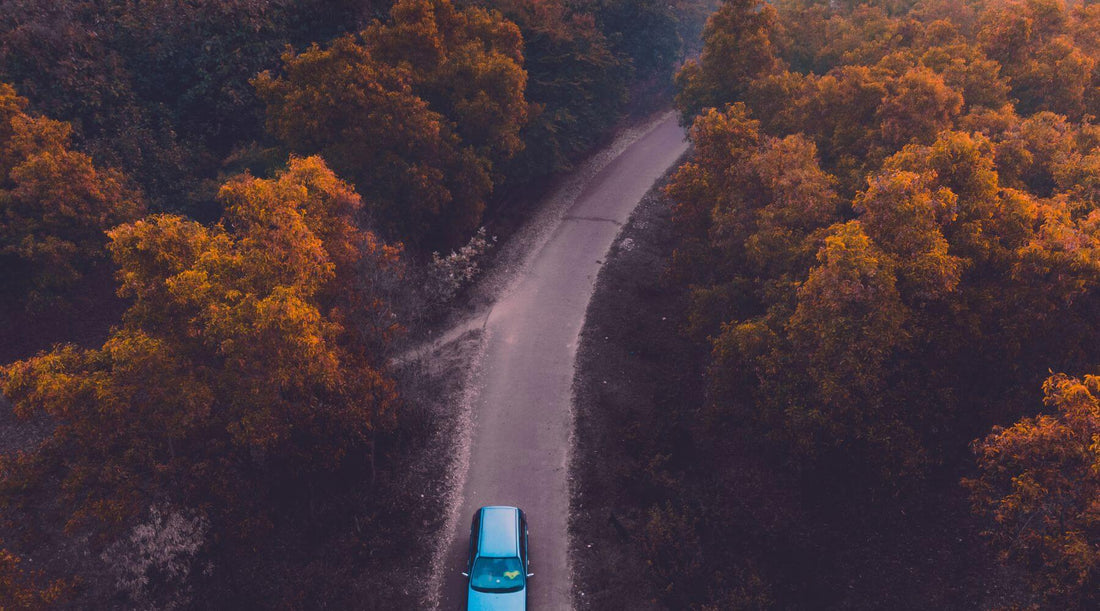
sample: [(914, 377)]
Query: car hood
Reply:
[(484, 601)]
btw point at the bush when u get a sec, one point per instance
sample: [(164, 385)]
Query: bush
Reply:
[(448, 275), (154, 563)]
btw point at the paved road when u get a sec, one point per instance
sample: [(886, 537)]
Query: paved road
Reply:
[(521, 413)]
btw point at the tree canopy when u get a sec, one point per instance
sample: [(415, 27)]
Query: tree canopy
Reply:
[(55, 204), (1039, 482), (889, 235), (415, 110), (241, 365), (245, 348)]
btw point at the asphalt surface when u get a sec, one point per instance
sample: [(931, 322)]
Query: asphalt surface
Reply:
[(521, 418)]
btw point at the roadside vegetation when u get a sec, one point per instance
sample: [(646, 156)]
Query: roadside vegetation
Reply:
[(218, 221), (888, 245)]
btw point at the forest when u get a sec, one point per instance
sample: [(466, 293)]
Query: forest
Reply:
[(218, 221), (887, 243), (221, 219)]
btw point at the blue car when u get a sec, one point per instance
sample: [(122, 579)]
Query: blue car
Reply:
[(498, 566)]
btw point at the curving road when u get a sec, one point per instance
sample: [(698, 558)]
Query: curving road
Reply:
[(520, 411)]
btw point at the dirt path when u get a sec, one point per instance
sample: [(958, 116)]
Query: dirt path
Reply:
[(518, 440)]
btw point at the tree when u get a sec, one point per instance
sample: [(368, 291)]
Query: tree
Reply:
[(17, 588), (737, 48), (814, 378), (842, 117), (160, 87), (796, 200), (55, 204), (948, 189), (848, 322), (417, 111), (467, 63), (363, 114), (863, 35), (577, 85), (964, 68), (1039, 485), (711, 181), (918, 106), (979, 223), (901, 212), (645, 31), (749, 210), (1031, 149), (241, 366), (1032, 41)]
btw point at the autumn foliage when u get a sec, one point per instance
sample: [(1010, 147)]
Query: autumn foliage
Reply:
[(18, 589), (416, 111), (55, 205), (251, 347), (162, 87), (576, 86), (1040, 484), (247, 371), (159, 88), (890, 238)]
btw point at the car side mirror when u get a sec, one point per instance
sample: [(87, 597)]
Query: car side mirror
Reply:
[(465, 574), (530, 574)]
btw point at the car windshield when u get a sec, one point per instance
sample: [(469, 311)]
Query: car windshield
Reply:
[(497, 575)]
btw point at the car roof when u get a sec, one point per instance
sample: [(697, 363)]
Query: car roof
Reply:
[(499, 532)]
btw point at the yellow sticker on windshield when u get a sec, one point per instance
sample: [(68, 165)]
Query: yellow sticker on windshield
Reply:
[(511, 574)]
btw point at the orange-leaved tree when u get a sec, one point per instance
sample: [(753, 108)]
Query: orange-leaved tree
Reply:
[(737, 48), (55, 204), (18, 589), (751, 210), (816, 377), (962, 266), (247, 361), (1033, 42), (466, 62), (416, 111), (363, 115), (1039, 483)]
